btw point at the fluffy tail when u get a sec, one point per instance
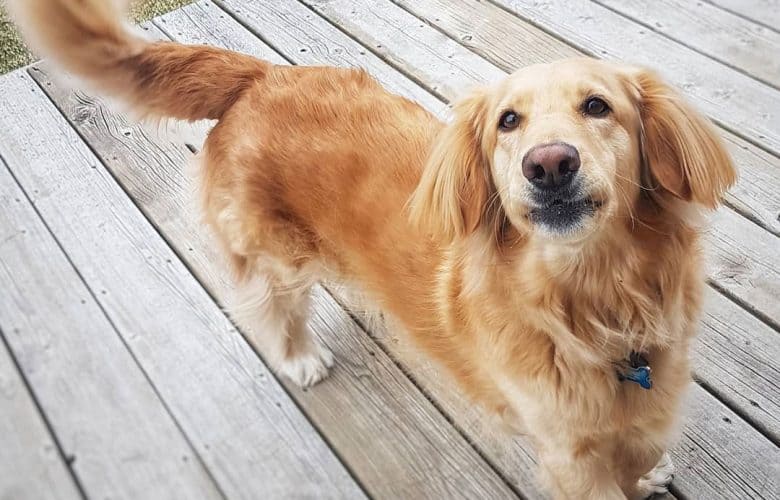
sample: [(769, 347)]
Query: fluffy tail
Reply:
[(89, 39)]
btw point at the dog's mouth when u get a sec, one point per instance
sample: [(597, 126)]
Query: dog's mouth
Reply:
[(564, 216)]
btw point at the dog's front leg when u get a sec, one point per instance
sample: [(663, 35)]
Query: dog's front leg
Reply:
[(641, 465), (577, 470), (644, 472)]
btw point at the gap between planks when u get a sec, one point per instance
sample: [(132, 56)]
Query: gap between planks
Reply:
[(739, 44), (216, 388), (763, 12), (32, 463), (42, 285)]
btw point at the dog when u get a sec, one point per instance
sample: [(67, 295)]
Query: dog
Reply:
[(543, 247)]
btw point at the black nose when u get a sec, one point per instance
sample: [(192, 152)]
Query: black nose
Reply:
[(551, 165)]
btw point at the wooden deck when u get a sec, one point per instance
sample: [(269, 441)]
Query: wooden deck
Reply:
[(121, 377)]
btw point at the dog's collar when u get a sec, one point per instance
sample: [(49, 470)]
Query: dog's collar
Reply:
[(636, 369)]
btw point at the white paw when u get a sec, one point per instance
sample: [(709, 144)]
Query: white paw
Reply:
[(657, 481), (308, 367)]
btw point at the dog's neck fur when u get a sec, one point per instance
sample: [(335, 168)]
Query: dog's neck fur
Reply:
[(603, 299)]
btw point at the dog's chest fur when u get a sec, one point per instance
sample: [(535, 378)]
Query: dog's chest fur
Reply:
[(553, 342)]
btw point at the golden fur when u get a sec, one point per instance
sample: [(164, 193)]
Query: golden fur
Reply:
[(315, 173)]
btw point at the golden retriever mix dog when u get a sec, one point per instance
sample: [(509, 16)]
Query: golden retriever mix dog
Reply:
[(544, 246)]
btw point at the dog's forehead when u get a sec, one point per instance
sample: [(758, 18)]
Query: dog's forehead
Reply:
[(561, 80)]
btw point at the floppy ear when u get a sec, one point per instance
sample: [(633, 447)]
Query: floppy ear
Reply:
[(681, 148), (451, 197)]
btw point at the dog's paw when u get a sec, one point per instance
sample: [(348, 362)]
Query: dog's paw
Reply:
[(657, 481), (308, 367)]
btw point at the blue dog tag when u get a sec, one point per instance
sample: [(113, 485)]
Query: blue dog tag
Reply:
[(637, 370), (640, 375)]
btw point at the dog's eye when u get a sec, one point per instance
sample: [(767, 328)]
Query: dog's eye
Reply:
[(595, 106), (509, 120)]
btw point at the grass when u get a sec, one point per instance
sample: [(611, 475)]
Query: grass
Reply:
[(13, 53)]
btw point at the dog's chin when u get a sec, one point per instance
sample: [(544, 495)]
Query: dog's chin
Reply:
[(564, 219)]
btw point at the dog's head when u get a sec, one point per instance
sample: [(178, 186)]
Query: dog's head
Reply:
[(562, 150)]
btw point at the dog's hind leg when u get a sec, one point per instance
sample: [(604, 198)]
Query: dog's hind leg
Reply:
[(271, 305)]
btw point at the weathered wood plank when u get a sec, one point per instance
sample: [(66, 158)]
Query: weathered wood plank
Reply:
[(438, 61), (300, 35), (742, 261), (121, 441), (746, 107), (395, 437), (205, 23), (484, 28), (748, 279), (31, 467), (517, 465), (735, 357), (721, 456), (723, 36), (764, 12), (246, 430), (513, 455), (479, 25), (755, 193)]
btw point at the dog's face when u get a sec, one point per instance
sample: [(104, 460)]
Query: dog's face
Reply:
[(566, 148)]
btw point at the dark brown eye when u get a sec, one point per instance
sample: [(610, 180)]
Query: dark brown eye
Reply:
[(595, 106), (509, 120)]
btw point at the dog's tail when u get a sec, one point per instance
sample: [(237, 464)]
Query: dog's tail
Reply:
[(89, 39)]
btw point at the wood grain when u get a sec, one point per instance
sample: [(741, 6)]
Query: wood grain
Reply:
[(744, 106), (742, 261), (720, 456), (302, 36), (725, 37), (489, 31), (389, 434), (223, 398), (735, 357), (31, 468), (433, 52), (764, 12), (485, 28), (117, 434)]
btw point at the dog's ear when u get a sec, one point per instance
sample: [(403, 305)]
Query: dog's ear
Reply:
[(452, 195), (681, 148)]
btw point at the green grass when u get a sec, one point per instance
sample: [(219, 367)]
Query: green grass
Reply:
[(13, 53)]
